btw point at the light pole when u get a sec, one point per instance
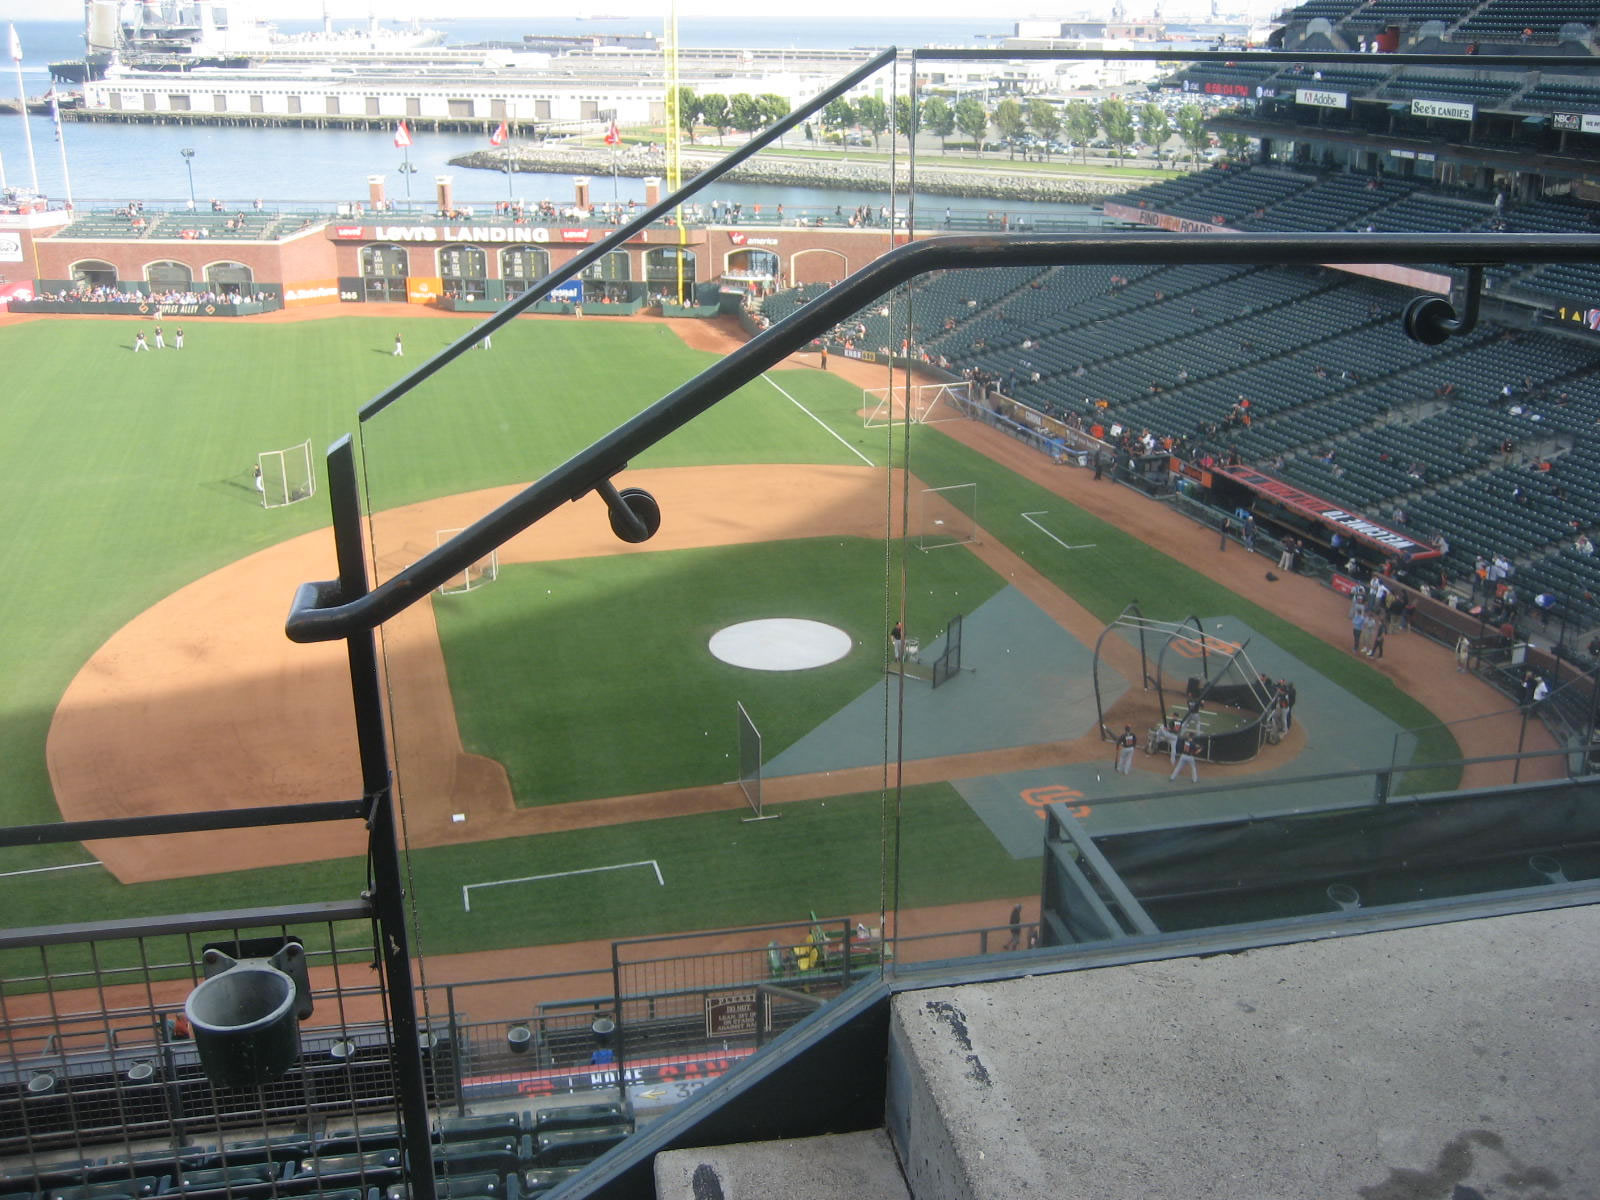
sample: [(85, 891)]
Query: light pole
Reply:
[(188, 165)]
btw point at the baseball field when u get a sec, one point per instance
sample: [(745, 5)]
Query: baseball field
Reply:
[(564, 740)]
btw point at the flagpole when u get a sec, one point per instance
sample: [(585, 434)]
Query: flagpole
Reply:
[(407, 173), (3, 184), (55, 112), (22, 107)]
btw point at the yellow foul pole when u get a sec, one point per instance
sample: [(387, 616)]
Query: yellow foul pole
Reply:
[(675, 134)]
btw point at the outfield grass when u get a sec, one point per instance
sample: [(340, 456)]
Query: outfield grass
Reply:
[(718, 870), (128, 477), (605, 687)]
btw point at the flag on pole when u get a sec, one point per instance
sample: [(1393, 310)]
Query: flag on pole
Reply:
[(499, 136), (16, 46), (402, 136), (612, 135)]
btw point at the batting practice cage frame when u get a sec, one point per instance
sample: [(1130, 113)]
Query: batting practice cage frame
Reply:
[(1226, 706)]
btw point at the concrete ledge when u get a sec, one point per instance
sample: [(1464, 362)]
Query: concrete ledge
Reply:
[(846, 1166), (1390, 1066)]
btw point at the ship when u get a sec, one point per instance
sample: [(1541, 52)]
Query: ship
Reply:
[(43, 106), (185, 35)]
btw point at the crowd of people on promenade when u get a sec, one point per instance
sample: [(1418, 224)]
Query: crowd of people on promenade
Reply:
[(111, 294)]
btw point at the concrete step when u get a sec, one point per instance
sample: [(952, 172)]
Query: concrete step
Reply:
[(846, 1166)]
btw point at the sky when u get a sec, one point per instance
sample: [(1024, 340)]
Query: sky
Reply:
[(886, 10)]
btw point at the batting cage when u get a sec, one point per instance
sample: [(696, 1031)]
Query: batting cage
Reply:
[(1201, 681)]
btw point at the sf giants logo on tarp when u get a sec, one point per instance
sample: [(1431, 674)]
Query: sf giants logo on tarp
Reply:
[(1041, 798)]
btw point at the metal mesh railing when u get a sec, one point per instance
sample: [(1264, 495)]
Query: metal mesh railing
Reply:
[(97, 1055)]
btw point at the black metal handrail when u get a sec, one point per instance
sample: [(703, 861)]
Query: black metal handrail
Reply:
[(322, 612)]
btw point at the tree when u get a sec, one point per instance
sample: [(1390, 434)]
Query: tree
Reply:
[(774, 107), (688, 111), (839, 116), (872, 115), (1237, 146), (1153, 121), (1045, 120), (1192, 129), (940, 118), (972, 121), (907, 120), (744, 114), (1082, 125), (1009, 122), (1117, 119), (714, 112)]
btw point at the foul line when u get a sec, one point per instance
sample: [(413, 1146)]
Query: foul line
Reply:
[(466, 888), (93, 862), (821, 422), (1029, 518)]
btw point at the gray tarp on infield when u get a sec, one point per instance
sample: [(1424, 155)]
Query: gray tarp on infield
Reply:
[(1025, 681)]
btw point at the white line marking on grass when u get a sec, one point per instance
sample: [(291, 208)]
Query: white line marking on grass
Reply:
[(821, 422), (466, 888), (93, 862), (1029, 518)]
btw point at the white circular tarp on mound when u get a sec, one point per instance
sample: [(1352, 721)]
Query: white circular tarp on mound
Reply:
[(780, 644)]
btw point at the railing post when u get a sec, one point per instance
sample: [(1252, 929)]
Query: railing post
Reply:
[(455, 1048), (622, 1028), (1382, 783), (388, 878)]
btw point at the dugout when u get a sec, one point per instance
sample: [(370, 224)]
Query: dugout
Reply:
[(1235, 871), (1281, 507)]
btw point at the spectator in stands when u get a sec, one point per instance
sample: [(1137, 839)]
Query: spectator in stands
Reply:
[(1583, 545)]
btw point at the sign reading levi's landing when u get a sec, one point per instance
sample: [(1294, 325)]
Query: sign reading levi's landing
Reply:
[(1448, 110), (455, 233), (1330, 514), (1318, 99)]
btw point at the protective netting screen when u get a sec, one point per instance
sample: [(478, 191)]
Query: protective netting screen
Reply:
[(749, 759), (948, 663)]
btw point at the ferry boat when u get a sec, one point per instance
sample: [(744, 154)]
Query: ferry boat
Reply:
[(183, 35)]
